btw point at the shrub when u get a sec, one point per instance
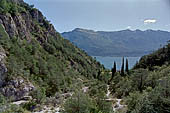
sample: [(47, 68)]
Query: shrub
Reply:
[(39, 95), (79, 103)]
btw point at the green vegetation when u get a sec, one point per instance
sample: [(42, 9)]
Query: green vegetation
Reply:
[(127, 66), (54, 66), (48, 65), (51, 63), (158, 58), (113, 72), (146, 88), (79, 103), (10, 7), (122, 68), (83, 103)]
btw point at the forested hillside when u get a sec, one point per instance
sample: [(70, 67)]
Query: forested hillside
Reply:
[(40, 72), (37, 62), (118, 43), (145, 88)]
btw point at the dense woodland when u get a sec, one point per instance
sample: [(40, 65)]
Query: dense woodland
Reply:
[(55, 67)]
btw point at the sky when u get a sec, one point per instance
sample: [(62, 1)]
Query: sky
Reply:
[(105, 15)]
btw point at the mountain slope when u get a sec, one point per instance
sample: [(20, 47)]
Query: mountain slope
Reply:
[(158, 58), (146, 87), (37, 54), (117, 43)]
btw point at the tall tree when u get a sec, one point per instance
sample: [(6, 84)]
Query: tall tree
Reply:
[(127, 66), (122, 68), (98, 75), (113, 71)]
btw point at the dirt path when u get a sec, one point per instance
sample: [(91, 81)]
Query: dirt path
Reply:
[(116, 102)]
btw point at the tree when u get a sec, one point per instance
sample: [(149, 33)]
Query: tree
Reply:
[(113, 71), (98, 74), (13, 8), (39, 95), (139, 78), (127, 67), (122, 68), (78, 103), (4, 6), (103, 106)]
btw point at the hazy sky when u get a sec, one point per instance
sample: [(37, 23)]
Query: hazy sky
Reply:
[(106, 15)]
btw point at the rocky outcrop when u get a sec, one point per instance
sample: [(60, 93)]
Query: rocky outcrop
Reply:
[(24, 25), (17, 88), (9, 25), (3, 68)]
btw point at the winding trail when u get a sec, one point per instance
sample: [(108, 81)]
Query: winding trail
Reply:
[(116, 106), (116, 103)]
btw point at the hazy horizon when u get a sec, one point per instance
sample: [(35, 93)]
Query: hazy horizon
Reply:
[(115, 30), (106, 15)]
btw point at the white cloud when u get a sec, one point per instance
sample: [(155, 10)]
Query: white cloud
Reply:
[(149, 21), (128, 27)]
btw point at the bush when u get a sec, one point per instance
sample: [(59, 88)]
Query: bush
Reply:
[(39, 95), (79, 103), (29, 106)]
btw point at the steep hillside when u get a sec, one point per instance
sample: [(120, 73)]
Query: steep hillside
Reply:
[(33, 55), (39, 69), (158, 58), (117, 43), (146, 88)]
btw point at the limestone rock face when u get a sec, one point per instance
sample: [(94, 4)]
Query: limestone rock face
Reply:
[(9, 25), (17, 88), (3, 68), (23, 25)]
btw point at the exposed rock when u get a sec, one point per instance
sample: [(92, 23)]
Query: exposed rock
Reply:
[(85, 89), (17, 88), (23, 25), (9, 24), (3, 68), (20, 102), (66, 95)]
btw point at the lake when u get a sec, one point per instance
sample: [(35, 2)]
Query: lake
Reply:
[(108, 61)]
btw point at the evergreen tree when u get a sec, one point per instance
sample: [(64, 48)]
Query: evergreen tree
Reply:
[(113, 71), (98, 74), (122, 68), (127, 67)]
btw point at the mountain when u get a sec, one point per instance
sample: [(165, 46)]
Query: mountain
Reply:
[(41, 72), (37, 62), (117, 43)]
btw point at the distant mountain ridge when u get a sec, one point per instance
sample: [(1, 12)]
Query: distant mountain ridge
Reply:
[(118, 43)]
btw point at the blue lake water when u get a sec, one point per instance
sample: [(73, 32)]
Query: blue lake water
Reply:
[(108, 61)]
